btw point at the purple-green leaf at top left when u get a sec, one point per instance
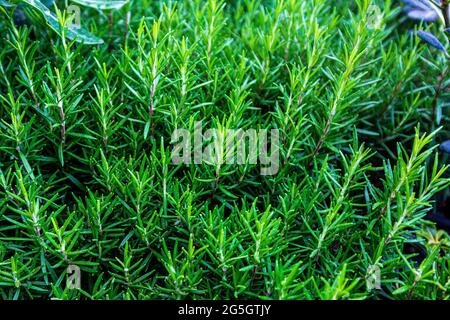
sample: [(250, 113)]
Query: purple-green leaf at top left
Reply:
[(72, 32)]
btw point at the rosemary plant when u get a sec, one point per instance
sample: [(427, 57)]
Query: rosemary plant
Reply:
[(88, 181)]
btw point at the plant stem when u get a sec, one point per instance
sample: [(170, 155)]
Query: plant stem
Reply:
[(444, 9)]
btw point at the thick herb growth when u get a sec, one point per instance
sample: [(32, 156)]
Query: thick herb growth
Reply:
[(87, 178)]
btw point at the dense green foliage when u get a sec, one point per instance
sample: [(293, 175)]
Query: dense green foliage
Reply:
[(85, 154)]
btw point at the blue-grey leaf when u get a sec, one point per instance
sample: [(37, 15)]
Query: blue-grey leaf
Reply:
[(431, 40), (419, 4), (445, 146), (424, 10), (20, 18), (427, 16)]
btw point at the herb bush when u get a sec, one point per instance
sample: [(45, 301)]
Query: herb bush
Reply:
[(86, 176)]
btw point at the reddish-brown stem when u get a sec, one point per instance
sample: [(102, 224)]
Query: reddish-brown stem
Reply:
[(111, 23), (437, 92), (325, 132)]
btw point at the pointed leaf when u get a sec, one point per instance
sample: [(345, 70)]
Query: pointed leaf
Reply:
[(431, 40)]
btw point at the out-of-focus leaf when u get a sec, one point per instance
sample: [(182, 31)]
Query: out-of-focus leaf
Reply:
[(102, 4), (423, 10), (72, 32), (47, 3), (445, 146), (5, 3), (24, 16), (20, 18)]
